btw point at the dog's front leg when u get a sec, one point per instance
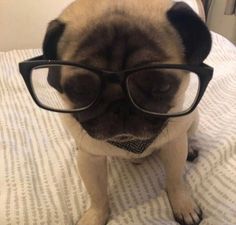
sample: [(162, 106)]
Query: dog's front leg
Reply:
[(173, 155), (93, 171)]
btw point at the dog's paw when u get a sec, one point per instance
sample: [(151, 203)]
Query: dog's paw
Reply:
[(192, 155), (185, 211), (94, 216), (193, 149)]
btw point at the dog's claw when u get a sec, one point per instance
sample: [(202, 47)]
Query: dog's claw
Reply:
[(192, 219), (179, 220)]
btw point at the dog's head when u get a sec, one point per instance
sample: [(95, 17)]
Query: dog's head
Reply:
[(117, 35)]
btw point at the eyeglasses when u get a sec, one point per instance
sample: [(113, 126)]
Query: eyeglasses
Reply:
[(162, 90)]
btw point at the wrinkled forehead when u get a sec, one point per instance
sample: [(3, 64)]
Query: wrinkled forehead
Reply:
[(117, 41)]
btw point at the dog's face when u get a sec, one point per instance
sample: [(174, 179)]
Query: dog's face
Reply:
[(119, 36)]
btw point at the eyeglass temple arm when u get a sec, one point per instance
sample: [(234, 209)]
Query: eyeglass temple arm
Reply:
[(24, 67)]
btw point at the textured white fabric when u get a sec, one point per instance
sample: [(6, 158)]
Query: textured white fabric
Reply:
[(39, 184)]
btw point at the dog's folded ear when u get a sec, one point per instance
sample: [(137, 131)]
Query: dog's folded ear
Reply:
[(194, 33), (53, 34), (50, 51)]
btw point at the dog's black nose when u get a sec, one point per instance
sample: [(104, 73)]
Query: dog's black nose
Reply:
[(122, 108)]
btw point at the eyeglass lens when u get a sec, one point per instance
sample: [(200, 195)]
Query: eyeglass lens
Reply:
[(161, 91)]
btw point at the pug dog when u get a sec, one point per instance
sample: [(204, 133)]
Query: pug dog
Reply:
[(114, 36)]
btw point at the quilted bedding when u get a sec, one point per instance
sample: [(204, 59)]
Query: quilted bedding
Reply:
[(39, 182)]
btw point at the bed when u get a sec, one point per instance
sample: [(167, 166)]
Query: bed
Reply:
[(38, 169)]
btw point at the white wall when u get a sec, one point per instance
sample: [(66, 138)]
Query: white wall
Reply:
[(23, 22)]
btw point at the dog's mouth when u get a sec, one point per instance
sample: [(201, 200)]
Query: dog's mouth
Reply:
[(120, 126), (109, 128), (125, 138)]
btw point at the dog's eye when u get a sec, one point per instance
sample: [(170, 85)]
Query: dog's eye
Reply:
[(160, 89), (82, 89), (150, 83)]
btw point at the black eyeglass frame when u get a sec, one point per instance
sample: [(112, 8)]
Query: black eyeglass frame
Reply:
[(204, 72)]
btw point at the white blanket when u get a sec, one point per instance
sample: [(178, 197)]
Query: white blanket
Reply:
[(39, 184)]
